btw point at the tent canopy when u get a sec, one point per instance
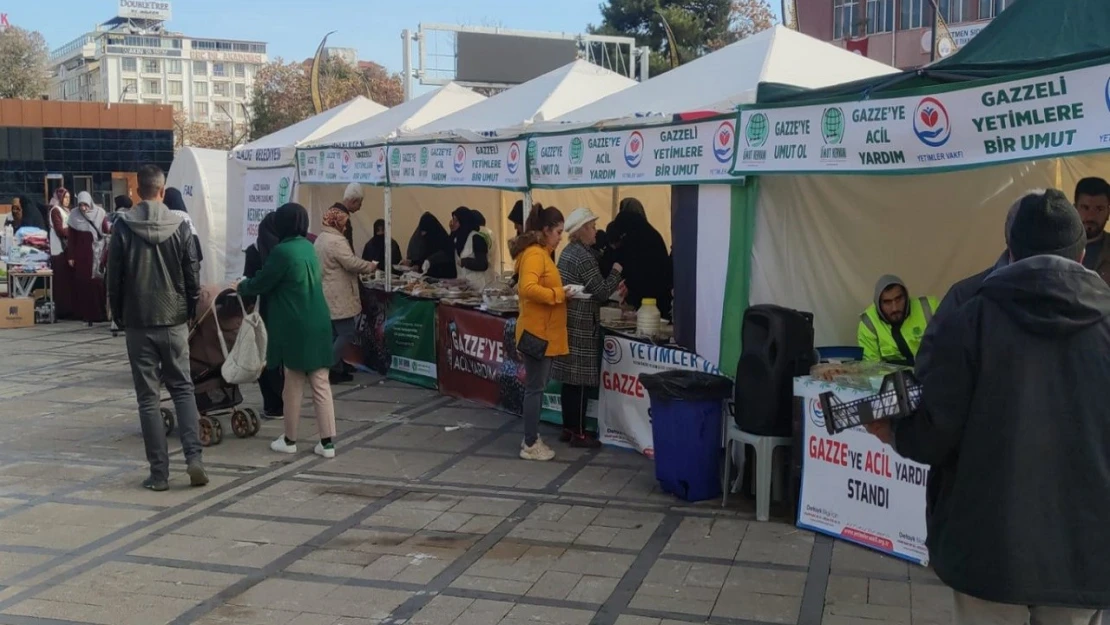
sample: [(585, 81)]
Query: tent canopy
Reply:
[(1028, 37), (288, 139), (721, 81), (405, 117), (545, 97), (201, 176)]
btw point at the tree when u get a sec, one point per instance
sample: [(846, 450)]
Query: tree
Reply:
[(698, 26), (188, 133), (23, 64), (283, 93)]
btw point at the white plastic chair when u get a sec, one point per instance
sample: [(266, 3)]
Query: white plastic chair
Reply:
[(764, 467)]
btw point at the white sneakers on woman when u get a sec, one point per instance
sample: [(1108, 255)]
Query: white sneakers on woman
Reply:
[(283, 447), (538, 452)]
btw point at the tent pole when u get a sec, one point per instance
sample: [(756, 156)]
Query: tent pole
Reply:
[(615, 202), (389, 260)]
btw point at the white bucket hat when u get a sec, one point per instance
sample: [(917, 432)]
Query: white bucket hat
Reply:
[(577, 219)]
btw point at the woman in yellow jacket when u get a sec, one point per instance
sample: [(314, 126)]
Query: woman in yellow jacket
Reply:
[(541, 328)]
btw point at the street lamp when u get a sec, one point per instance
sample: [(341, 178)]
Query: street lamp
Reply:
[(130, 87)]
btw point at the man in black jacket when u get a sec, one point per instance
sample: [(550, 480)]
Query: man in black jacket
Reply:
[(153, 287), (1013, 412)]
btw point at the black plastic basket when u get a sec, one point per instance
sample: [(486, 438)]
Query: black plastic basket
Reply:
[(899, 395)]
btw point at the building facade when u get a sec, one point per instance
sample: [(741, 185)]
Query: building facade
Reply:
[(134, 58), (83, 146), (897, 32)]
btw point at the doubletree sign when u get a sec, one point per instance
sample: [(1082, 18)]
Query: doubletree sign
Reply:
[(4, 23)]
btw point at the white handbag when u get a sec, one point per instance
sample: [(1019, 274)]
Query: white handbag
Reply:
[(247, 359)]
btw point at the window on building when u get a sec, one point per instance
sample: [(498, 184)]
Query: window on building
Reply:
[(240, 70), (130, 64), (152, 66), (175, 87), (880, 16), (152, 87), (200, 89), (846, 18), (218, 69), (178, 107), (911, 14), (955, 11), (991, 8), (200, 68), (173, 66), (130, 86), (221, 89), (201, 109), (240, 90)]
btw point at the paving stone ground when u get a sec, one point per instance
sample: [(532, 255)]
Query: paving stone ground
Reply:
[(410, 523)]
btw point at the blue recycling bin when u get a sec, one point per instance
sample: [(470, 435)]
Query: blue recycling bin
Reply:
[(686, 431)]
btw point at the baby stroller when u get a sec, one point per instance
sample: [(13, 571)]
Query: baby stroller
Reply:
[(213, 394)]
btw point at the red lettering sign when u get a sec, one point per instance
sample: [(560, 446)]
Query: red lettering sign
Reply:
[(4, 23), (832, 452), (622, 383)]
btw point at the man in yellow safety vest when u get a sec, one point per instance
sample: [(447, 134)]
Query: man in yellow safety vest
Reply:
[(890, 330)]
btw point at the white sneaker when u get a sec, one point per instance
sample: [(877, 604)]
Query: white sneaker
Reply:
[(538, 452), (282, 447), (327, 452)]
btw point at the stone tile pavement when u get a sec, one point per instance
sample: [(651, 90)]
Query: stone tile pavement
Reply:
[(410, 523)]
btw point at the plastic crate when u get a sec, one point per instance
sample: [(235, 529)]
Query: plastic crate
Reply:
[(898, 397)]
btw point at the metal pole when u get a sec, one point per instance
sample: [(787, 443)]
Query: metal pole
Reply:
[(388, 240), (894, 36), (933, 48), (406, 61), (645, 63)]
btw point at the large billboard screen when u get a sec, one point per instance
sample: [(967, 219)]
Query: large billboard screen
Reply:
[(509, 59)]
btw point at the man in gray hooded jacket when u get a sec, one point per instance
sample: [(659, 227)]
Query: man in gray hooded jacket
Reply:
[(153, 287)]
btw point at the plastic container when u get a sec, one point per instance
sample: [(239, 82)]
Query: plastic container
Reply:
[(686, 412), (648, 318)]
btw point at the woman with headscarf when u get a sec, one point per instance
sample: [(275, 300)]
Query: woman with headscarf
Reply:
[(340, 269), (272, 380), (25, 214), (299, 326), (471, 249), (641, 251), (88, 239), (374, 250), (58, 224), (439, 252), (176, 202)]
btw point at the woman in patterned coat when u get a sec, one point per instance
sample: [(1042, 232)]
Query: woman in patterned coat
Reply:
[(580, 371)]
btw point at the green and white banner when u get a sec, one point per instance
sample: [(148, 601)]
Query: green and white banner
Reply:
[(683, 153), (1042, 116), (498, 165), (342, 166)]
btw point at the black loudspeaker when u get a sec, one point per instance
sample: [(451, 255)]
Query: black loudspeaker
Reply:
[(777, 346)]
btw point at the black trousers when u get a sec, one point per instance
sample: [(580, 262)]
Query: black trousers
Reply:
[(574, 400), (271, 383)]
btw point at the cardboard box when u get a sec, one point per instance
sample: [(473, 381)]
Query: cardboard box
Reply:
[(17, 313)]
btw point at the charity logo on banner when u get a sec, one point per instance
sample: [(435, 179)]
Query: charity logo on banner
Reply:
[(1045, 116), (411, 341), (683, 153), (342, 165), (856, 488), (499, 165), (624, 417), (265, 190)]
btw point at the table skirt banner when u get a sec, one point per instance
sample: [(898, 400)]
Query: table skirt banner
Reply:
[(478, 361), (856, 488), (396, 336), (624, 417)]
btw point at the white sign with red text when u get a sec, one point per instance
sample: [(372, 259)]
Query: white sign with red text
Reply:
[(856, 488), (624, 419)]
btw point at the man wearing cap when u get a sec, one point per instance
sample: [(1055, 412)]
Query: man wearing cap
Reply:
[(351, 204), (1013, 412), (891, 328)]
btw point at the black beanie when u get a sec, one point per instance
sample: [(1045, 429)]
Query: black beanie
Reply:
[(1047, 224)]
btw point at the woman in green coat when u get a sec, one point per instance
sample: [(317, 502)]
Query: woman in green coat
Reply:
[(298, 323)]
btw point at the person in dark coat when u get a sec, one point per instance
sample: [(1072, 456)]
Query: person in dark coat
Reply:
[(272, 380), (1013, 412), (25, 214), (176, 202), (640, 249), (374, 250), (439, 251)]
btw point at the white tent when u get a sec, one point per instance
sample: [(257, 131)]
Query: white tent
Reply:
[(721, 81), (506, 114), (406, 117), (201, 176), (270, 159)]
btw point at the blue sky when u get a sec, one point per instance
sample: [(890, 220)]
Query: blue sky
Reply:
[(293, 28)]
